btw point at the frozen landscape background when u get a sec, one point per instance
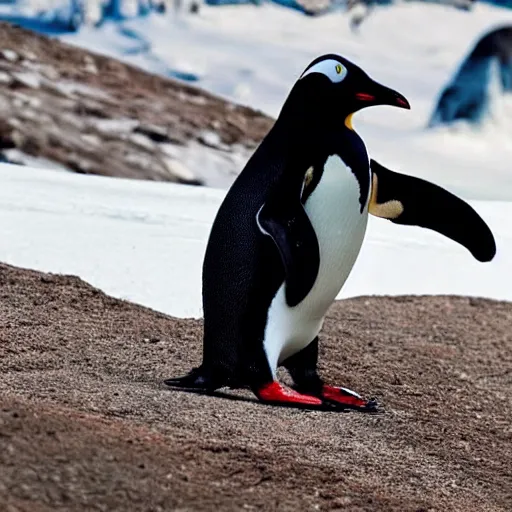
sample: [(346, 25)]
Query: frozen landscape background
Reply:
[(144, 241)]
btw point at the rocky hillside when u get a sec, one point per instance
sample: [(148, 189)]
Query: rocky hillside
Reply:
[(95, 115)]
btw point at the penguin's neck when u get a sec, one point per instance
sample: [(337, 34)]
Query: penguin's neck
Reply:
[(309, 145), (312, 141)]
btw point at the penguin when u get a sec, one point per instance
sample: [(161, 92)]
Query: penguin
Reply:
[(289, 231)]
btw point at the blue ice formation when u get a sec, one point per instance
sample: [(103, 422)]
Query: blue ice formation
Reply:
[(468, 95)]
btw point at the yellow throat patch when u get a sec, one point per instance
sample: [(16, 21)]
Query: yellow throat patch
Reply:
[(348, 122)]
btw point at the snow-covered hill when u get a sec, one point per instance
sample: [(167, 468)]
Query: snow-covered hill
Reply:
[(253, 55), (63, 106), (144, 241)]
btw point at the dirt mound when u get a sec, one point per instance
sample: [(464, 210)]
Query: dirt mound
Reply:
[(86, 424), (96, 115)]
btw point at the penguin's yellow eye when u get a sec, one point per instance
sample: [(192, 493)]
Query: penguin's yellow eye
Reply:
[(334, 70)]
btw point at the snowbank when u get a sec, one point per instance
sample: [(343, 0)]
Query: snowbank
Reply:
[(145, 241)]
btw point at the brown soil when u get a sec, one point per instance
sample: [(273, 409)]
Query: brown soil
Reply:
[(86, 423), (96, 115)]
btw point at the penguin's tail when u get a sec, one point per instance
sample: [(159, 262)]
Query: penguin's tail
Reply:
[(197, 379)]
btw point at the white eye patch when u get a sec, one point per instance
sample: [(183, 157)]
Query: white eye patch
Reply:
[(332, 69)]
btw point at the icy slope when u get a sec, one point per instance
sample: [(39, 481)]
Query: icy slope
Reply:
[(144, 241)]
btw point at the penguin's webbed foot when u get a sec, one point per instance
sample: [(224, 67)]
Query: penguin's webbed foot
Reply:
[(347, 399), (195, 379), (276, 393)]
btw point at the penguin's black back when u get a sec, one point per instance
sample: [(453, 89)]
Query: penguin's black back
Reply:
[(242, 271)]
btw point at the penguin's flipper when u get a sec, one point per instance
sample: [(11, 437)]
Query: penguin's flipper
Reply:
[(415, 202), (287, 223)]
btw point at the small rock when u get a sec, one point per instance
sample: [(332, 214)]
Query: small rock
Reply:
[(78, 164), (51, 73), (211, 139), (71, 89), (139, 159), (91, 69), (5, 78), (155, 133), (28, 79), (141, 140), (30, 55), (169, 150), (91, 139), (194, 99), (90, 65), (34, 102), (60, 89), (30, 115), (14, 122), (18, 138), (10, 55), (179, 170), (118, 126), (30, 64)]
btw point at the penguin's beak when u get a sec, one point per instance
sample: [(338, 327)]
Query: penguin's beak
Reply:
[(378, 94)]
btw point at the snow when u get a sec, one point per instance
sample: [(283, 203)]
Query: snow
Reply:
[(16, 156), (145, 241), (137, 240)]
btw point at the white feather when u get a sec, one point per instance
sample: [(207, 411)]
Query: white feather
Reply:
[(334, 211)]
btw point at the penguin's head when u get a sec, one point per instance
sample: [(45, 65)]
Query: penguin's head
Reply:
[(332, 88)]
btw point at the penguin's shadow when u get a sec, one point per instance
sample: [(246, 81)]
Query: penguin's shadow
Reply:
[(238, 398), (218, 394)]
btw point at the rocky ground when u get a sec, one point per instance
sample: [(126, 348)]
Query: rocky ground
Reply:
[(86, 423), (95, 115)]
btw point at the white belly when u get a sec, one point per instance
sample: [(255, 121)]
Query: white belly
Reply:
[(335, 213)]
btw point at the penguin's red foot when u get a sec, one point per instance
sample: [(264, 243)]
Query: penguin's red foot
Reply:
[(277, 393), (346, 397)]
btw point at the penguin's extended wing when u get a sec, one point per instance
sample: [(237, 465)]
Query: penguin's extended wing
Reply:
[(415, 202), (284, 219)]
